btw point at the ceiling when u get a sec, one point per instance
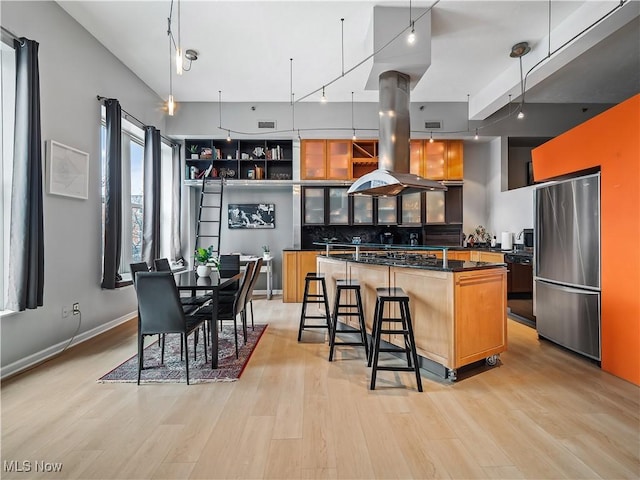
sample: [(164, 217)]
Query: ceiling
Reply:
[(245, 49)]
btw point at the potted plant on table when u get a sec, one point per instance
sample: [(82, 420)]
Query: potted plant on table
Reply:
[(266, 253), (205, 260)]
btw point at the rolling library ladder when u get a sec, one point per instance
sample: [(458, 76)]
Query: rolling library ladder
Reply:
[(208, 227)]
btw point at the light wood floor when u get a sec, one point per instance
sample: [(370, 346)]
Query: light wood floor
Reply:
[(542, 413)]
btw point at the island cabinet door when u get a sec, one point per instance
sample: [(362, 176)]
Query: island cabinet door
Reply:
[(480, 314), (431, 306), (370, 277), (289, 277)]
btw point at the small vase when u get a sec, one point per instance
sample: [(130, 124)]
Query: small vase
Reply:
[(203, 270), (266, 255)]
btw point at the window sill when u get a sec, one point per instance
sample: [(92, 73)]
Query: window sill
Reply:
[(7, 313)]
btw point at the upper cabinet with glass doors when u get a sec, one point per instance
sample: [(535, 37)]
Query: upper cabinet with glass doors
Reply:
[(349, 160), (325, 160), (325, 206), (443, 160)]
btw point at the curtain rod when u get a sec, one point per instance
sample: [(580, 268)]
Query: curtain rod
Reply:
[(9, 33), (138, 122)]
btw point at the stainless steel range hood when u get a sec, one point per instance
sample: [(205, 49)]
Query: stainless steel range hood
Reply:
[(392, 176)]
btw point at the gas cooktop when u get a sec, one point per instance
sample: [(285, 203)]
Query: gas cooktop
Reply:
[(399, 258)]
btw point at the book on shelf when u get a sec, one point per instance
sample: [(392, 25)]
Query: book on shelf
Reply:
[(274, 153)]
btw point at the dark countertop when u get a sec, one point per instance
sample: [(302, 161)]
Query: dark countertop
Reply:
[(399, 246), (431, 264)]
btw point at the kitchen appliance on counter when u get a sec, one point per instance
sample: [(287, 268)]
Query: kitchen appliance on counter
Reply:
[(567, 263), (506, 241), (386, 238)]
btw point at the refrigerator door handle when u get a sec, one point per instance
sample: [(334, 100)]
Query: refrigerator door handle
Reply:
[(565, 288)]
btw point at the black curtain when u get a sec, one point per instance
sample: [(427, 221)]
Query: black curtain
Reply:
[(26, 243), (113, 195), (151, 202), (176, 185)]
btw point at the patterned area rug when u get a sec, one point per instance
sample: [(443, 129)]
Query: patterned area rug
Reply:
[(229, 367)]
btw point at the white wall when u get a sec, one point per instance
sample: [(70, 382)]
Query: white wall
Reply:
[(485, 201), (74, 68)]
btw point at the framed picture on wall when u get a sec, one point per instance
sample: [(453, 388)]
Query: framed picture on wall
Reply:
[(252, 215), (67, 171)]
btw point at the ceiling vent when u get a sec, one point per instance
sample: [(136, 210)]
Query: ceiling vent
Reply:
[(266, 124), (433, 125)]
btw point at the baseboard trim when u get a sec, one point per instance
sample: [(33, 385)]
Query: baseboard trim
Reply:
[(43, 355), (264, 292)]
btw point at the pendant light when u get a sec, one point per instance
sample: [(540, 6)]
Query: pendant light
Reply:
[(352, 125), (518, 51), (171, 105), (179, 47), (323, 99), (411, 38)]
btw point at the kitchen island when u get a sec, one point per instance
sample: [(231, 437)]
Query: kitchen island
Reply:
[(458, 308)]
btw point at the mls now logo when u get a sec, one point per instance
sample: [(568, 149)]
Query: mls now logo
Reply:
[(26, 466)]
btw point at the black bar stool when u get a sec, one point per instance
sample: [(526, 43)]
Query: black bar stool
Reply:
[(390, 296), (320, 297), (344, 310)]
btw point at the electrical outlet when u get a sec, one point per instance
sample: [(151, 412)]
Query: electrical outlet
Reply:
[(65, 311), (76, 308)]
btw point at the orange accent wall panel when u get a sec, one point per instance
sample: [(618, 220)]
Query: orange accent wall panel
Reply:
[(611, 141)]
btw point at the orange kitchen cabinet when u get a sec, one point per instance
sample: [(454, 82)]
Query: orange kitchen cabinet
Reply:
[(443, 160), (416, 165), (325, 159)]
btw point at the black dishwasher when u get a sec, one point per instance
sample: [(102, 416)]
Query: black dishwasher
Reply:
[(520, 286)]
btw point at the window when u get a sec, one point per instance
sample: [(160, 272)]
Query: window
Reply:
[(8, 96), (133, 194)]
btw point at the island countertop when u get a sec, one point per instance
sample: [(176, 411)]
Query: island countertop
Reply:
[(414, 259)]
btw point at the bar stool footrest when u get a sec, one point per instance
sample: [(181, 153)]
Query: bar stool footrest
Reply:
[(397, 369), (392, 350)]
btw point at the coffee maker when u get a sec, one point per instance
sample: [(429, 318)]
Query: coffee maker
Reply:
[(386, 238)]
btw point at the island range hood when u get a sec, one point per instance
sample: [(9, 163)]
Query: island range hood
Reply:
[(392, 176)]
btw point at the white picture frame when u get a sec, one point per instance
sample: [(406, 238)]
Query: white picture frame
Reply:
[(67, 172)]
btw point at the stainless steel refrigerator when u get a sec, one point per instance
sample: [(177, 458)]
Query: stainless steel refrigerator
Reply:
[(567, 263)]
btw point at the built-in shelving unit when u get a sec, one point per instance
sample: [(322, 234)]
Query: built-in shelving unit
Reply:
[(244, 160)]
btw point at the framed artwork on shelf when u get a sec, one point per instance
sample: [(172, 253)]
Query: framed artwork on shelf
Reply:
[(67, 171), (252, 215)]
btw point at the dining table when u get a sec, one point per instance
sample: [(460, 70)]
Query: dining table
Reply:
[(190, 281)]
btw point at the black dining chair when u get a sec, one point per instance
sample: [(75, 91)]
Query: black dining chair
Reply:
[(137, 267), (229, 265), (190, 303), (160, 312), (252, 286), (230, 307), (134, 268)]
